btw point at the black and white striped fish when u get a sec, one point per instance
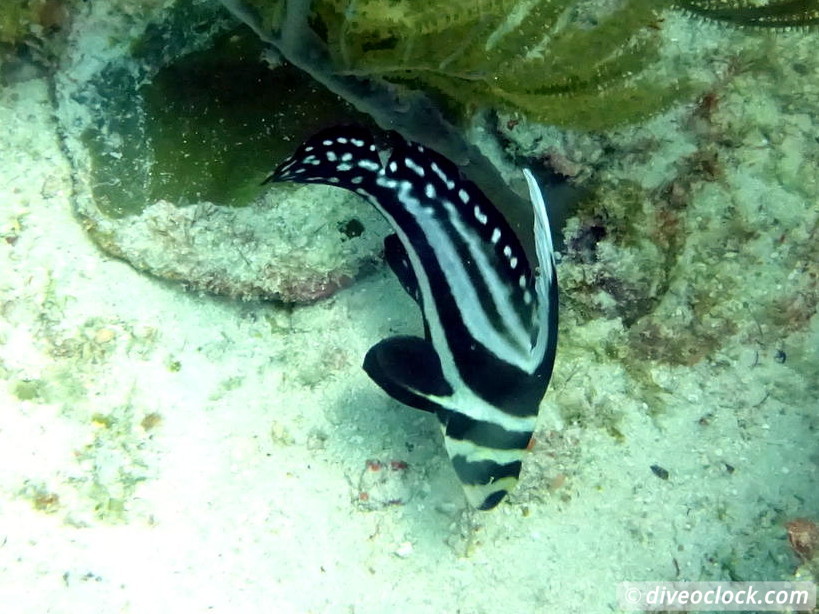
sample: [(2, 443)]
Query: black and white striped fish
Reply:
[(490, 322)]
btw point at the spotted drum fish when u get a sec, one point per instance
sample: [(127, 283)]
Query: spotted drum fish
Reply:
[(490, 321)]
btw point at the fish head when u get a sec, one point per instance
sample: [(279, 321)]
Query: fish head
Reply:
[(344, 156)]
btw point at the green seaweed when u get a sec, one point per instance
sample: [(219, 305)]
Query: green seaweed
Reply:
[(541, 58), (565, 62), (771, 14), (195, 115)]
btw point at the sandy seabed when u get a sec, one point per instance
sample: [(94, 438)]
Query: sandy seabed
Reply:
[(166, 451)]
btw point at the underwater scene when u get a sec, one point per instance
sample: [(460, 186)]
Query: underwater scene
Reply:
[(370, 306)]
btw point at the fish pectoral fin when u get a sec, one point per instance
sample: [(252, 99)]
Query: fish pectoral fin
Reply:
[(396, 256), (408, 369)]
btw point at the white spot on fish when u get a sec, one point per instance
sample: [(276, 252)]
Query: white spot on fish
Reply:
[(507, 251), (527, 297), (429, 190), (357, 142), (344, 166), (496, 234), (347, 157), (356, 180), (522, 282), (393, 166), (331, 156), (447, 181), (327, 142), (513, 263), (342, 140), (463, 196), (414, 167), (368, 165), (308, 149), (387, 183), (480, 215), (333, 179)]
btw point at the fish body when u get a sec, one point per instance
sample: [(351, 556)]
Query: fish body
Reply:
[(490, 322)]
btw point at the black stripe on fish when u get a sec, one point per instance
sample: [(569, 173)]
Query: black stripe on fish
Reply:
[(490, 323), (484, 472), (482, 433)]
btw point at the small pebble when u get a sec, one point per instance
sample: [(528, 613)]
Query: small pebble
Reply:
[(104, 335), (659, 472)]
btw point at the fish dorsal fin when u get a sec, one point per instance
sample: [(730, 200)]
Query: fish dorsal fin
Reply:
[(546, 282), (409, 370)]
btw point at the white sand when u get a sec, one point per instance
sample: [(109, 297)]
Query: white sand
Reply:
[(245, 496)]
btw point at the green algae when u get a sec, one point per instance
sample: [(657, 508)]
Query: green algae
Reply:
[(581, 64), (211, 117), (565, 62), (196, 115), (31, 18), (29, 389), (220, 119), (15, 18), (771, 14)]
